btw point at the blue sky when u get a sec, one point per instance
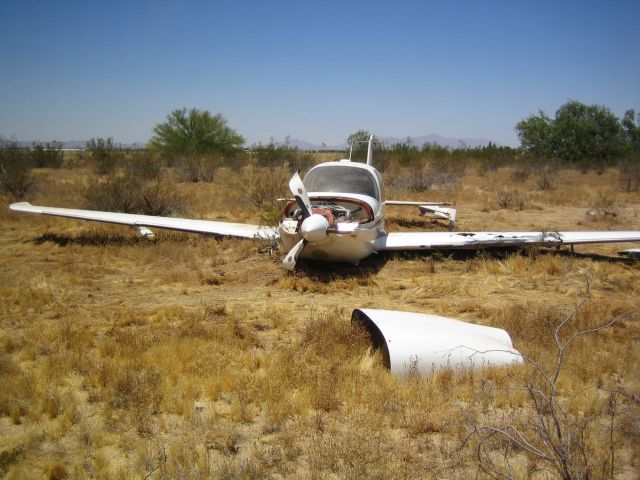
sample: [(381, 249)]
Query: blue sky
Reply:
[(315, 71)]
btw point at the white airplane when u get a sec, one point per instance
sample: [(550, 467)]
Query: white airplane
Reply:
[(337, 215)]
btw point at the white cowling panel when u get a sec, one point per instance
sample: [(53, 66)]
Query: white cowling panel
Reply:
[(420, 342)]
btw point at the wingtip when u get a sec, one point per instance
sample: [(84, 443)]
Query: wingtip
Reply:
[(19, 205)]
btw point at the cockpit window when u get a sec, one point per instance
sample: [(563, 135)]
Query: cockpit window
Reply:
[(339, 178)]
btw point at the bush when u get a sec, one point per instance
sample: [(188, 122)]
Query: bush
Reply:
[(414, 182), (160, 198), (508, 198), (546, 176), (49, 155), (117, 193), (15, 171), (143, 164), (629, 175), (264, 186), (520, 175), (276, 155), (446, 172), (433, 151), (571, 436), (405, 153), (198, 168), (130, 194), (441, 173), (262, 189), (104, 154)]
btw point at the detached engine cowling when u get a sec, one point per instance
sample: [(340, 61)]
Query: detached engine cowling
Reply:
[(417, 342)]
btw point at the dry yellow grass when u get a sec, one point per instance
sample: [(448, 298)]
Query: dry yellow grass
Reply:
[(200, 357)]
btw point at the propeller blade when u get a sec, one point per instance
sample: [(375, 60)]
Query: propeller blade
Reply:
[(300, 193), (289, 262)]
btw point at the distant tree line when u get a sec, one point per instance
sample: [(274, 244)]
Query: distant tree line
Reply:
[(407, 154), (197, 142)]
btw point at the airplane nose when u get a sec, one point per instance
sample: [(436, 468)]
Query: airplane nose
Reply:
[(314, 228)]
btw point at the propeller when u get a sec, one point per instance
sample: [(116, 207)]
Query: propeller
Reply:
[(300, 194), (290, 260), (313, 228)]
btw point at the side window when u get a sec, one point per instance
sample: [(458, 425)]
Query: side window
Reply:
[(381, 183)]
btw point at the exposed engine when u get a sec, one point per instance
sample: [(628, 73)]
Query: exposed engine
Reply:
[(336, 211), (333, 212)]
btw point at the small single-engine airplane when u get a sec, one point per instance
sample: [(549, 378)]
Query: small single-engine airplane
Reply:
[(337, 215)]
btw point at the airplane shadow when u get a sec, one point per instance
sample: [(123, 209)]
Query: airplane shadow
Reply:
[(423, 225), (591, 256), (326, 272), (99, 239), (501, 253)]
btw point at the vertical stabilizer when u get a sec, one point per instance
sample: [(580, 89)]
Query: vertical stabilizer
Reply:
[(370, 151)]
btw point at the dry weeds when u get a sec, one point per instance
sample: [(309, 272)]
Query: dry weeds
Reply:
[(199, 357)]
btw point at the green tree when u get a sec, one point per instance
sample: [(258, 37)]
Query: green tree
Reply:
[(194, 132), (587, 132), (535, 133), (358, 143), (578, 132), (631, 126)]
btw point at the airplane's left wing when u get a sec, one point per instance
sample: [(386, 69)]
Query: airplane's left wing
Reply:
[(471, 240), (144, 222)]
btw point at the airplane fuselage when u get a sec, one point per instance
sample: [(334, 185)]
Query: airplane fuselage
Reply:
[(350, 196)]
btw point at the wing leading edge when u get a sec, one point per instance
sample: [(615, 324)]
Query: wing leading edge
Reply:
[(470, 240), (168, 223)]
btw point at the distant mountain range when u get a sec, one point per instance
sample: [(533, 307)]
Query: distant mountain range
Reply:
[(450, 142)]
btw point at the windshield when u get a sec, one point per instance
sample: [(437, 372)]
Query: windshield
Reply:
[(341, 178)]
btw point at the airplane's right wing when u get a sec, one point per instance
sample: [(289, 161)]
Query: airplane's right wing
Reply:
[(471, 240), (435, 210), (144, 222)]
